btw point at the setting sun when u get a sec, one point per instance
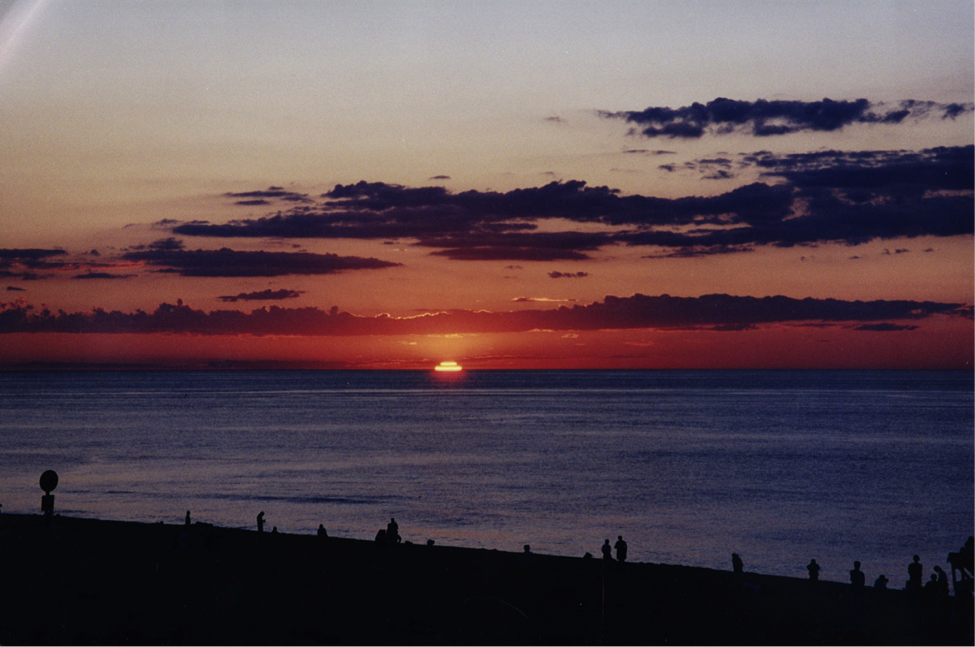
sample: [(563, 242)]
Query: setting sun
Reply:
[(452, 367)]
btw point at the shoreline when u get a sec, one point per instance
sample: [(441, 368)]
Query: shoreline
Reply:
[(73, 580)]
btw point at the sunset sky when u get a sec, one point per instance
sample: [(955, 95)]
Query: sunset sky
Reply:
[(735, 184)]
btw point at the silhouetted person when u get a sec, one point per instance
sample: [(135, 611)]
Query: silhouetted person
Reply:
[(813, 569), (392, 532), (381, 536), (857, 578), (881, 583), (527, 556), (736, 565), (187, 517), (915, 576), (620, 547), (963, 567), (260, 521), (942, 588), (321, 531), (607, 551), (274, 530)]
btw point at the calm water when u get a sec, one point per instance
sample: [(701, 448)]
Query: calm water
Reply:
[(689, 466)]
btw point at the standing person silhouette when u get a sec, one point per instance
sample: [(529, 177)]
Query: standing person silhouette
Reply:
[(607, 551), (260, 521), (857, 578), (736, 564), (915, 576), (813, 569), (392, 531), (620, 547)]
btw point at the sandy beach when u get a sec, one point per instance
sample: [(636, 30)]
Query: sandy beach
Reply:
[(83, 581)]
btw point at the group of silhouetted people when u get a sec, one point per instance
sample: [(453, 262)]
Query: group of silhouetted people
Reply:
[(389, 534), (936, 587), (620, 547)]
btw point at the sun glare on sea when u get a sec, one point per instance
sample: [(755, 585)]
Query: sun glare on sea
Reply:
[(448, 367)]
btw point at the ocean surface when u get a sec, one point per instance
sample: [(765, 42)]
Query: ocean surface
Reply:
[(688, 466)]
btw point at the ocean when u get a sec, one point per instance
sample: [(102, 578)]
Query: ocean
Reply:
[(688, 466)]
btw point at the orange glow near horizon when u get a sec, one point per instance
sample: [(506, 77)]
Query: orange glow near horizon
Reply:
[(943, 343), (448, 367)]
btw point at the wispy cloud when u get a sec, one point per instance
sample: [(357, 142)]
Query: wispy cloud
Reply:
[(717, 312), (102, 276), (263, 295), (568, 275), (541, 300), (228, 262), (267, 196)]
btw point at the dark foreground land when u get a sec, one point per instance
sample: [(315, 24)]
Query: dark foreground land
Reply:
[(81, 581)]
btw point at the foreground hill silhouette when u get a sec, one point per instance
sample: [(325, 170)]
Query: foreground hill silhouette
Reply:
[(82, 581)]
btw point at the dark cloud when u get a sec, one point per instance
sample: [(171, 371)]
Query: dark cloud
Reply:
[(719, 312), (28, 255), (102, 275), (440, 177), (568, 275), (30, 258), (541, 300), (11, 288), (24, 264), (855, 197), (647, 151), (509, 254), (885, 327), (490, 225), (226, 262), (547, 246), (161, 245), (267, 196), (861, 174), (263, 295), (763, 118), (697, 250), (808, 198)]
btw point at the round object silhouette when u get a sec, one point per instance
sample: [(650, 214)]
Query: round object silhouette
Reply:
[(49, 481)]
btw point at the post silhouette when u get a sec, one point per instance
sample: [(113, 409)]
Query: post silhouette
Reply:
[(49, 481)]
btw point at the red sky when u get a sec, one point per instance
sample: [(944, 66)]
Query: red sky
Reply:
[(713, 185)]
